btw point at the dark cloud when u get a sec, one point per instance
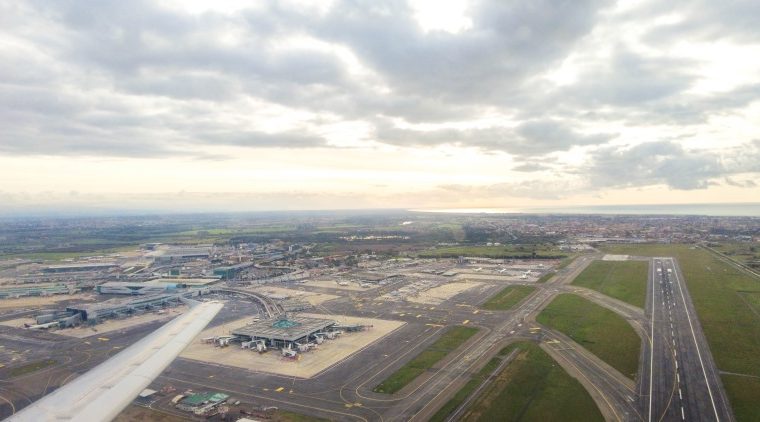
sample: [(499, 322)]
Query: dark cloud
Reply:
[(734, 20), (740, 183), (144, 50), (531, 167), (262, 140), (541, 136), (532, 188), (532, 138), (632, 79), (507, 41), (653, 163), (668, 163)]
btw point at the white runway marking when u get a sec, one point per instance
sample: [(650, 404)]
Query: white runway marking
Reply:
[(699, 353)]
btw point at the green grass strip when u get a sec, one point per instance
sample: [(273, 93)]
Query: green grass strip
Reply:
[(530, 388), (598, 329), (449, 341), (624, 280), (508, 297)]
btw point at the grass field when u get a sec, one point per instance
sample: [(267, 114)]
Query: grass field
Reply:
[(744, 252), (532, 388), (508, 297), (60, 256), (544, 278), (449, 341), (135, 413), (743, 394), (727, 301), (599, 330), (31, 367), (285, 416), (465, 391), (566, 261), (506, 251), (624, 280)]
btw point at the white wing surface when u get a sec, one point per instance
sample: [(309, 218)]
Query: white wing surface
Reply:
[(101, 393)]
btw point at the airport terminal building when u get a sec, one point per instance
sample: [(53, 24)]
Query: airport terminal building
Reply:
[(284, 331)]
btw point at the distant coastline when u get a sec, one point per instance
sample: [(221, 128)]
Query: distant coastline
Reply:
[(748, 209)]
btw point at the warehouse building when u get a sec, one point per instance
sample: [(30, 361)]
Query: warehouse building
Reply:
[(129, 288), (231, 271), (71, 268), (93, 313), (186, 281), (181, 254), (201, 403), (42, 289)]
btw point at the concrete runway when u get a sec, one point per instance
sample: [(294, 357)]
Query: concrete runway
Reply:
[(678, 377)]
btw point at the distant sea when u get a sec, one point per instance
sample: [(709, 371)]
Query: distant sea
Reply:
[(750, 209)]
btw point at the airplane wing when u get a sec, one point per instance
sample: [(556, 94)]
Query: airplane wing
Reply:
[(102, 392)]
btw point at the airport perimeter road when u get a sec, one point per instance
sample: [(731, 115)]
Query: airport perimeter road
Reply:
[(619, 396), (613, 392), (567, 275), (429, 397), (436, 390), (625, 310), (679, 380)]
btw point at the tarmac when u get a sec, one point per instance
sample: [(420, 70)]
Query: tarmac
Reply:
[(343, 390), (679, 379), (309, 364)]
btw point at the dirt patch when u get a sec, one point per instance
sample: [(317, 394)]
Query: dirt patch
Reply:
[(312, 297), (610, 257), (506, 276), (332, 284), (39, 301), (442, 293), (135, 413)]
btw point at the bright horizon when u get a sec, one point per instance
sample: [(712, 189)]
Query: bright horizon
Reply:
[(185, 106)]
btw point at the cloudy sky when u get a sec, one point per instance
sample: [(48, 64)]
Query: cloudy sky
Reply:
[(230, 105)]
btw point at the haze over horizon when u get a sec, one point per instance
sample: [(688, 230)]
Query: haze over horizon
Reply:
[(187, 105)]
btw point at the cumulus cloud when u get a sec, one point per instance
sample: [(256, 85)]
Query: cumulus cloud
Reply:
[(632, 79), (653, 163), (531, 188), (704, 19), (611, 87), (531, 138), (668, 163)]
